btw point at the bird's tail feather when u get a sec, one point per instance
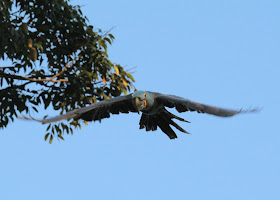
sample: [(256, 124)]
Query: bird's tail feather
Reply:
[(163, 120)]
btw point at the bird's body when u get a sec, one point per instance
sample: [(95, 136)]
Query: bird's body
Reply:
[(151, 104)]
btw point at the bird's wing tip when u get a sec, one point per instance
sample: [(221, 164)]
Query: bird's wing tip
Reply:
[(251, 110), (24, 117)]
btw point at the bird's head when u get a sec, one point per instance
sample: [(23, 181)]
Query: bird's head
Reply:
[(142, 100)]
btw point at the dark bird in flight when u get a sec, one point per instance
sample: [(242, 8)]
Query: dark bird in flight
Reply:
[(151, 104)]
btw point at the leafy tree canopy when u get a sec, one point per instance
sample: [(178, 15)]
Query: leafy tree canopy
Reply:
[(58, 60)]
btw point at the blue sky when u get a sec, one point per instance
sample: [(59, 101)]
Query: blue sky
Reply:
[(223, 53)]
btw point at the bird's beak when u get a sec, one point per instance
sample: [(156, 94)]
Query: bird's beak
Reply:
[(137, 104)]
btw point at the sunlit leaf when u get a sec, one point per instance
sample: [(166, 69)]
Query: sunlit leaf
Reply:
[(117, 70), (46, 136), (51, 139), (130, 76), (124, 82)]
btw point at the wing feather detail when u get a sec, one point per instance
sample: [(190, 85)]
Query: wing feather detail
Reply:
[(96, 111), (183, 105)]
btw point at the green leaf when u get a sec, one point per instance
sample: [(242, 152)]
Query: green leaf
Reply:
[(34, 108), (108, 40), (51, 139), (130, 76), (60, 136), (48, 127), (111, 36), (46, 136)]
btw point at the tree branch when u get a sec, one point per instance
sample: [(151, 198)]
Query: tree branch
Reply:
[(8, 67), (63, 70), (36, 80)]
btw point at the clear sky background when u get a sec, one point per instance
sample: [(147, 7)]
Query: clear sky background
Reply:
[(223, 53)]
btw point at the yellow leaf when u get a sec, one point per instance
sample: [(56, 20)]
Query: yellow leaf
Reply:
[(104, 80), (86, 123), (117, 70), (124, 82), (106, 97), (29, 43), (93, 99)]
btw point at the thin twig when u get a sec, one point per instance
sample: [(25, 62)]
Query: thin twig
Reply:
[(9, 67), (15, 12), (131, 69), (49, 79), (107, 32), (63, 70)]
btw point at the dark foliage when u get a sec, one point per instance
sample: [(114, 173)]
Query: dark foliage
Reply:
[(59, 61)]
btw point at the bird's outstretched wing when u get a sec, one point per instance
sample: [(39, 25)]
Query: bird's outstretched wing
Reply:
[(96, 111), (183, 105)]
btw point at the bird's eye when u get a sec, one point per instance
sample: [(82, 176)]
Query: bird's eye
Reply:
[(145, 95)]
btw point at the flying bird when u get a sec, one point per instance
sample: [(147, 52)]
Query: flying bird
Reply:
[(153, 107)]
